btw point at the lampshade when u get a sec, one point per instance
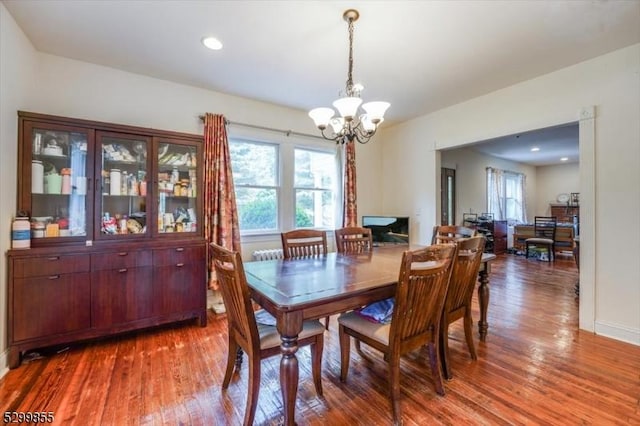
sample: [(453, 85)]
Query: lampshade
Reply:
[(321, 116), (347, 107), (376, 110)]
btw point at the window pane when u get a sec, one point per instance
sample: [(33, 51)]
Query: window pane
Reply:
[(314, 169), (257, 208), (254, 164), (315, 209)]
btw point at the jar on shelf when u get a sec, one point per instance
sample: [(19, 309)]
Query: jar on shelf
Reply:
[(115, 184), (21, 233), (66, 181)]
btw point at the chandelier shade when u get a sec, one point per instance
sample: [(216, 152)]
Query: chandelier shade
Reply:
[(352, 124)]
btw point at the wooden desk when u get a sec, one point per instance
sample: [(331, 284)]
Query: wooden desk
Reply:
[(296, 290)]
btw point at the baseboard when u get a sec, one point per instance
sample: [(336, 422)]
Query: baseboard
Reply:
[(615, 331), (4, 363)]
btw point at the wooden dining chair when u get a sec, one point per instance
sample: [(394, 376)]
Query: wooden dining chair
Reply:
[(302, 243), (258, 341), (457, 304), (419, 299), (354, 240), (305, 243), (544, 230), (443, 234)]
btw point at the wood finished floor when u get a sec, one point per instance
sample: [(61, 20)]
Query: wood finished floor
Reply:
[(535, 368)]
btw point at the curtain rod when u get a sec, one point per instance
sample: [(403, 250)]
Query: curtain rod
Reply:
[(271, 129), (506, 171)]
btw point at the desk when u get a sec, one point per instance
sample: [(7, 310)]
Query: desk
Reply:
[(296, 290)]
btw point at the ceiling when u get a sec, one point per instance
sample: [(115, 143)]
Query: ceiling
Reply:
[(420, 56), (553, 143)]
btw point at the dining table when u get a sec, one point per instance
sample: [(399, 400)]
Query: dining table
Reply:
[(316, 287)]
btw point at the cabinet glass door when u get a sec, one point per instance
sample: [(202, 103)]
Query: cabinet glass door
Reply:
[(123, 200), (59, 171), (177, 188)]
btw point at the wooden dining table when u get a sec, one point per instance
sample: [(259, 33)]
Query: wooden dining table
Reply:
[(297, 290)]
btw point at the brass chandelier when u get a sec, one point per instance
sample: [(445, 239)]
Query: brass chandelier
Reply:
[(352, 124)]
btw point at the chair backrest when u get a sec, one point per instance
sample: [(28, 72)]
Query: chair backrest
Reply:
[(545, 227), (235, 294), (464, 273), (420, 293), (301, 243), (353, 240), (443, 234)]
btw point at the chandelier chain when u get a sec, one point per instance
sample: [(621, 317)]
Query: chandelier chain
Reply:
[(350, 72)]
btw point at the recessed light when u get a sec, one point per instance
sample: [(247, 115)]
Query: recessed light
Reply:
[(212, 43), (535, 149), (564, 159)]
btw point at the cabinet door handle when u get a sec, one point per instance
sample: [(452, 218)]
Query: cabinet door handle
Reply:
[(180, 265), (180, 249), (53, 258), (122, 270), (54, 277), (123, 253)]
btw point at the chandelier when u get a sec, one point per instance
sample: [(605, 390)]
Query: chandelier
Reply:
[(352, 124)]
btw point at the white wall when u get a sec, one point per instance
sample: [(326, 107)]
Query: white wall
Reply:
[(610, 288), (43, 83), (553, 181), (17, 66), (471, 181)]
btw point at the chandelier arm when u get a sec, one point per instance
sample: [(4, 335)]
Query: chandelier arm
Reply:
[(362, 135)]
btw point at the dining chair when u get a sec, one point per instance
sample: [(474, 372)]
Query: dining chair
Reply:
[(464, 276), (302, 243), (258, 341), (354, 240), (443, 234), (305, 243), (417, 311), (544, 230)]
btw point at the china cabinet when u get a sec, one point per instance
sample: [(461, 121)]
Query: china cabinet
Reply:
[(116, 235)]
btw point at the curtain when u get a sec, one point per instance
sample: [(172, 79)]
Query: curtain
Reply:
[(350, 204), (221, 224), (495, 193), (506, 195)]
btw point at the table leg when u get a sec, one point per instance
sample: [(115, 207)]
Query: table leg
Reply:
[(289, 328), (483, 298)]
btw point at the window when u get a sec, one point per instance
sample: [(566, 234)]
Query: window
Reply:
[(280, 186), (506, 195), (314, 188), (256, 180)]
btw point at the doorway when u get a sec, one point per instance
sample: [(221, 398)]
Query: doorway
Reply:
[(448, 196)]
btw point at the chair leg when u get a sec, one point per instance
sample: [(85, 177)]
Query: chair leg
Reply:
[(345, 343), (444, 349), (326, 323), (316, 363), (394, 388), (231, 362), (434, 362), (468, 333), (254, 391)]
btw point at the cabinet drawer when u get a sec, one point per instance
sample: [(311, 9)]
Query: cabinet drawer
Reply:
[(178, 255), (40, 266), (120, 259)]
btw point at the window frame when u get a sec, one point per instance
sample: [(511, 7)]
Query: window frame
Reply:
[(287, 144)]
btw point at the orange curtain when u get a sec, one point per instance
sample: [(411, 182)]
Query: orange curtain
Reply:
[(221, 224), (350, 207)]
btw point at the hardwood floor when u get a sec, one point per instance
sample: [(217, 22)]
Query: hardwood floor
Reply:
[(535, 368)]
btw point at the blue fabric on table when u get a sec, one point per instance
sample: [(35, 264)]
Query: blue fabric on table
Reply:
[(380, 312), (265, 318)]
